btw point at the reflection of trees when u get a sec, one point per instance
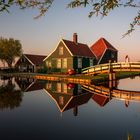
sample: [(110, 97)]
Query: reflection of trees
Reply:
[(9, 97)]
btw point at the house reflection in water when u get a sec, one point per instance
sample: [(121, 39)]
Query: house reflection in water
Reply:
[(29, 84), (101, 100), (67, 96)]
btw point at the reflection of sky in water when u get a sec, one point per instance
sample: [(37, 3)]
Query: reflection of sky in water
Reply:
[(130, 84), (38, 117)]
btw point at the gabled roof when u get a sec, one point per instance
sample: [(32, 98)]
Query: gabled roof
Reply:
[(70, 101), (99, 47), (78, 49), (35, 59)]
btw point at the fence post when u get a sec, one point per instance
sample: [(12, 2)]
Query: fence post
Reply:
[(109, 67)]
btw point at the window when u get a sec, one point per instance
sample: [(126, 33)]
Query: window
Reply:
[(30, 66), (61, 50), (90, 62), (112, 55), (65, 63), (48, 86), (23, 59), (79, 62), (61, 100), (64, 85), (48, 63), (59, 87), (58, 63)]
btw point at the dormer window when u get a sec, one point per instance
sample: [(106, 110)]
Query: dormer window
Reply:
[(61, 50)]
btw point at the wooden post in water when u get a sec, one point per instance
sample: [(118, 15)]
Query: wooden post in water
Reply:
[(75, 111), (111, 78)]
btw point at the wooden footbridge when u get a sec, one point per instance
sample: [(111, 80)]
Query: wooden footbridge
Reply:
[(113, 93), (112, 67)]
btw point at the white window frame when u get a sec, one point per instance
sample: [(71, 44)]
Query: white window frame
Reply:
[(90, 62), (79, 62)]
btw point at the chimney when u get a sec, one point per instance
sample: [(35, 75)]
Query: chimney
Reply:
[(75, 38)]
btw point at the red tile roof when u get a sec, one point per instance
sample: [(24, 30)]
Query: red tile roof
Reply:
[(78, 49), (100, 99), (35, 59), (100, 46)]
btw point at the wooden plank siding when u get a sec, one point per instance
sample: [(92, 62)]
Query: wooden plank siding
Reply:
[(72, 61), (55, 56)]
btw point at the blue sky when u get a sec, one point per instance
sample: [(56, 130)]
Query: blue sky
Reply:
[(41, 36)]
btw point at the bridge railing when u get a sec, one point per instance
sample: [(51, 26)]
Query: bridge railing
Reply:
[(119, 66), (115, 93)]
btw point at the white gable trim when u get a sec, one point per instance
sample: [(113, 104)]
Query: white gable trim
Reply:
[(102, 56), (61, 40), (28, 59), (67, 48)]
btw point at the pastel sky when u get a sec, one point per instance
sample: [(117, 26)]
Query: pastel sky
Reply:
[(41, 36)]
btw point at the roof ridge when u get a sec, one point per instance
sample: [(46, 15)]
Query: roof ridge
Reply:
[(110, 45), (74, 43)]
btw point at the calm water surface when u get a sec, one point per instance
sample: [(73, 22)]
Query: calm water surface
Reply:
[(41, 110)]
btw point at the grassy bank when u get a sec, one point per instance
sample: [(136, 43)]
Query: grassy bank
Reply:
[(119, 75)]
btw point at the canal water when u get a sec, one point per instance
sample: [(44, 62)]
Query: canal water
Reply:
[(43, 110)]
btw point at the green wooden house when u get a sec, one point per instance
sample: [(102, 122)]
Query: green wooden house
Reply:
[(70, 55)]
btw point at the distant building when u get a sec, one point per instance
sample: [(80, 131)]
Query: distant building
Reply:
[(104, 51), (30, 63), (70, 55)]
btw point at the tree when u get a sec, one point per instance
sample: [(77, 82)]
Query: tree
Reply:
[(9, 50), (104, 7), (41, 5), (10, 97), (98, 7)]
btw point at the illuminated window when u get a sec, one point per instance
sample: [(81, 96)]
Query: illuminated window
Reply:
[(79, 62), (65, 63), (64, 85), (59, 87), (61, 51), (58, 63), (48, 63)]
